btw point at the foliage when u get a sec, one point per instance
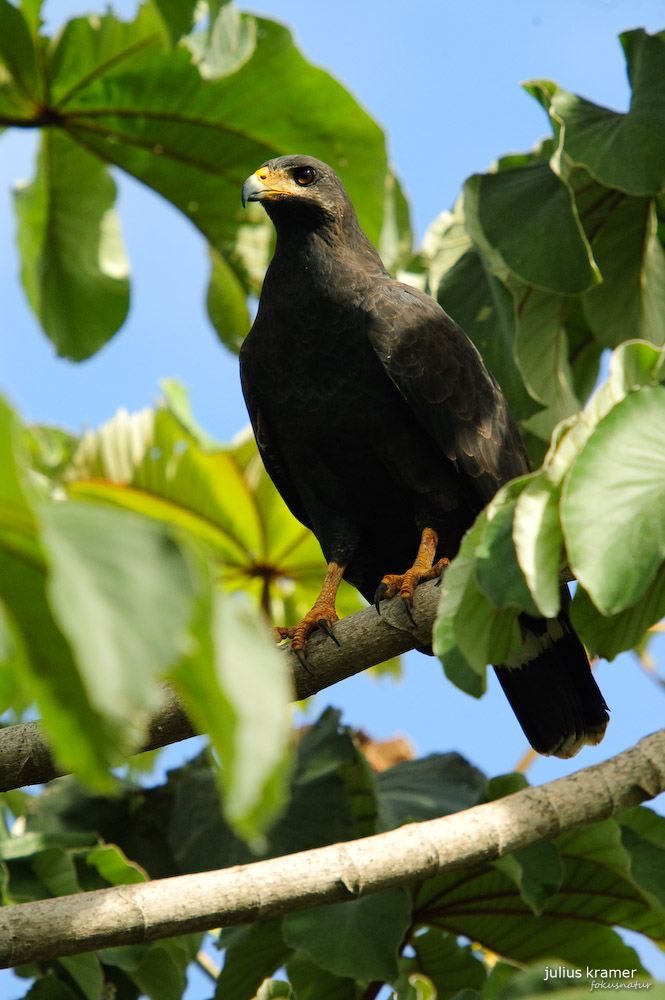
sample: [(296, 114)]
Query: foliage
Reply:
[(596, 280), (191, 120), (146, 552)]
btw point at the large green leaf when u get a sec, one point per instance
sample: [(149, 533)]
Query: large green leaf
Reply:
[(544, 245), (195, 140), (624, 151), (597, 892), (81, 738), (74, 267), (613, 504), (190, 121), (358, 939), (541, 350), (123, 595), (417, 790), (537, 530)]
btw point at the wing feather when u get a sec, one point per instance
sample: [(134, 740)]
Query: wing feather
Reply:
[(443, 378)]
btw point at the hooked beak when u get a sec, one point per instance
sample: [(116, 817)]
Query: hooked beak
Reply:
[(254, 188)]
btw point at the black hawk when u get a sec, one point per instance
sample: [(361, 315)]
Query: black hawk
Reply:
[(385, 434)]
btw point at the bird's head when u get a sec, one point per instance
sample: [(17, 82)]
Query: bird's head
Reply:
[(299, 187)]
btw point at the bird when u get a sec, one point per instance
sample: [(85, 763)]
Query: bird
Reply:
[(386, 435)]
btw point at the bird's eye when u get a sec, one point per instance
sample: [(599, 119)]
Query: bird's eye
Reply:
[(304, 175)]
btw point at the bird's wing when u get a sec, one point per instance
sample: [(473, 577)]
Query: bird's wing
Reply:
[(444, 380), (271, 454)]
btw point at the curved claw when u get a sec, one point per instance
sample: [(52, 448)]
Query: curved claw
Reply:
[(324, 625), (302, 657), (378, 595), (407, 607)]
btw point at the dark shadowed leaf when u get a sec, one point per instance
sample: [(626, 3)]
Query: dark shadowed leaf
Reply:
[(17, 52), (311, 982), (358, 939), (630, 302), (483, 307), (416, 790), (254, 954)]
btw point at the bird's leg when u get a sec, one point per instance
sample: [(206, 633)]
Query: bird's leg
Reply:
[(424, 568), (321, 616)]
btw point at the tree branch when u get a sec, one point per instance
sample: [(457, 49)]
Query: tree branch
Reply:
[(365, 639), (186, 904)]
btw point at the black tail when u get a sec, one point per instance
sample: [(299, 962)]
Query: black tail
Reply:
[(550, 687)]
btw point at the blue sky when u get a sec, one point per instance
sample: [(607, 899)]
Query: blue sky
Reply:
[(444, 80)]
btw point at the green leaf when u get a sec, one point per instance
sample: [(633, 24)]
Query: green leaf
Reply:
[(545, 245), (49, 988), (541, 350), (457, 581), (228, 43), (110, 862), (311, 982), (171, 478), (497, 571), (537, 871), (437, 785), (254, 954), (244, 706), (624, 151), (123, 595), (643, 837), (227, 304), (575, 925), (538, 539), (177, 16), (55, 868), (194, 140), (357, 939), (449, 966), (631, 298), (74, 268), (613, 502), (17, 52), (609, 635), (81, 739), (86, 971), (162, 973), (275, 989), (483, 307)]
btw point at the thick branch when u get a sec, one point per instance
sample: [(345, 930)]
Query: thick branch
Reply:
[(365, 639), (145, 912)]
